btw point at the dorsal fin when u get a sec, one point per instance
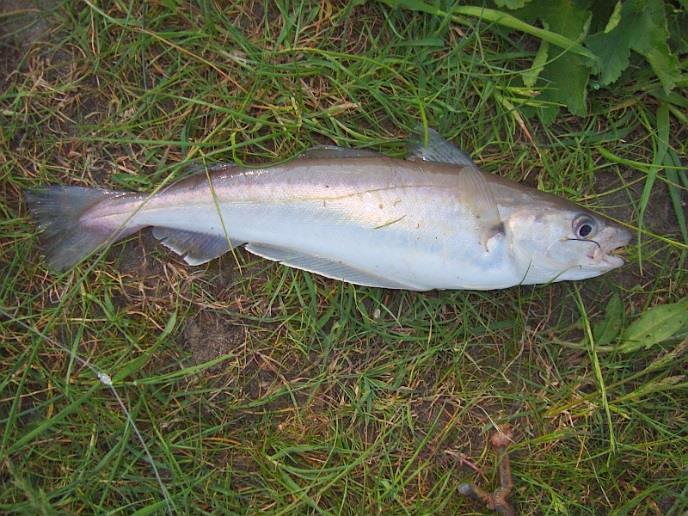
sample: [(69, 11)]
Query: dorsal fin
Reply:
[(435, 149)]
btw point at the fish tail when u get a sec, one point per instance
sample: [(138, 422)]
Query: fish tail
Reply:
[(59, 211)]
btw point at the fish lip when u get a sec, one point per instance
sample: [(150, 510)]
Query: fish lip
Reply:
[(613, 261), (605, 258), (605, 255)]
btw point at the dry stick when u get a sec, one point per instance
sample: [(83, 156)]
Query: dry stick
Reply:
[(496, 501), (106, 380)]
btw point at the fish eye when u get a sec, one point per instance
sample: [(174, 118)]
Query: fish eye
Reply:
[(584, 226)]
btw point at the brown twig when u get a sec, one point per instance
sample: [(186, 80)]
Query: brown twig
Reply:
[(496, 501)]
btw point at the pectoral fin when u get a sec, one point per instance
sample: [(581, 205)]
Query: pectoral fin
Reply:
[(476, 194)]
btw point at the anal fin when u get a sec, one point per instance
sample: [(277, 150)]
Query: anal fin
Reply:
[(195, 248), (327, 267)]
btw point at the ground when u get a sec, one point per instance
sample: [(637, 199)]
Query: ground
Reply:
[(257, 387)]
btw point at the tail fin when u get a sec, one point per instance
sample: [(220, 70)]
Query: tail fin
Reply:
[(58, 211)]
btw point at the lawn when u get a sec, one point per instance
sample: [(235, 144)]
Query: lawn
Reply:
[(244, 386)]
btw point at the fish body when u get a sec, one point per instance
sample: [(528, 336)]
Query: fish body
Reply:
[(434, 221)]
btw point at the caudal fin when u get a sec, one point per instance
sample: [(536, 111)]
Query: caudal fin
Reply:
[(58, 211)]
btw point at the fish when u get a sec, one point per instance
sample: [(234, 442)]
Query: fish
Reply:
[(431, 221)]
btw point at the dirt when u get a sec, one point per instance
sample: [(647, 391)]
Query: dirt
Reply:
[(22, 23), (208, 336), (659, 216), (135, 257)]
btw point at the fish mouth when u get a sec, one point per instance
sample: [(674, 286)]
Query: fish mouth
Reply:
[(607, 255)]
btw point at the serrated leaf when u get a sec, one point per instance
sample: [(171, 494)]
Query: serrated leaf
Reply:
[(609, 328), (568, 83), (656, 325), (566, 75), (642, 28), (613, 56)]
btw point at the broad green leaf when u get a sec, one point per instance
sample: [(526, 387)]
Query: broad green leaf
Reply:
[(657, 324), (567, 79), (609, 328), (566, 74), (642, 28)]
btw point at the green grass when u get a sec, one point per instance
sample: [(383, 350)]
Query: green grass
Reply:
[(271, 389)]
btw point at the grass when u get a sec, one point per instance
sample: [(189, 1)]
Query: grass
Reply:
[(271, 389)]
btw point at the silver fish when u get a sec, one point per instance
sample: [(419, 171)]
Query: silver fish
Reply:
[(431, 221)]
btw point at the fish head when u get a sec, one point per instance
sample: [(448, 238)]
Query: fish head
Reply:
[(557, 241)]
